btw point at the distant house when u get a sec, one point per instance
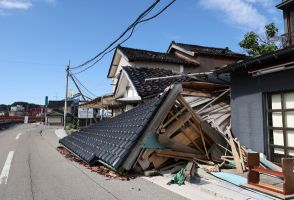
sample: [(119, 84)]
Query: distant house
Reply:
[(3, 113), (55, 112), (17, 110)]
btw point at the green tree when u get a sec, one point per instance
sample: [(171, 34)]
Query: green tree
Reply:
[(256, 45)]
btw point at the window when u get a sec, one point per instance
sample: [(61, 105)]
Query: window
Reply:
[(281, 125)]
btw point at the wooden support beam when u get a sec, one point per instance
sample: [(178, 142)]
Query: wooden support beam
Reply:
[(188, 92), (178, 124), (192, 140), (174, 117), (204, 85)]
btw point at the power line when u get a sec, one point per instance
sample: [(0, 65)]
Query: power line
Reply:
[(83, 86), (112, 43), (132, 31)]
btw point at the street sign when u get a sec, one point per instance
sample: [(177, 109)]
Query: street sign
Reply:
[(85, 113), (46, 101)]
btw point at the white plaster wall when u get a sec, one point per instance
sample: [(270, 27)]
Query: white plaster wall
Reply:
[(122, 62)]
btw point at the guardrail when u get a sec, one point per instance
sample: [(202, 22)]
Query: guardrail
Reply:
[(20, 119)]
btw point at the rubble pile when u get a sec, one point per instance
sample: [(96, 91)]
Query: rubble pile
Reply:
[(188, 122), (100, 169)]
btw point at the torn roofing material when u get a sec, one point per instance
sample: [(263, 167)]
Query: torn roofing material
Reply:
[(111, 140), (149, 88)]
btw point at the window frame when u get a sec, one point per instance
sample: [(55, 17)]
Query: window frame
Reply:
[(269, 128)]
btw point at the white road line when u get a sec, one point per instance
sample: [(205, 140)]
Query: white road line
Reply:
[(6, 168), (18, 136)]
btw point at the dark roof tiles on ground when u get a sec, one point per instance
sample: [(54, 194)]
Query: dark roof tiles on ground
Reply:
[(112, 139)]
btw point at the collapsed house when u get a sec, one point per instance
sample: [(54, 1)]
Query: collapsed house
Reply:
[(188, 121)]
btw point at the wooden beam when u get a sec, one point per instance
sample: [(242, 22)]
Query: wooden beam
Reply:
[(172, 118), (204, 85), (178, 124), (192, 140), (234, 151), (188, 92)]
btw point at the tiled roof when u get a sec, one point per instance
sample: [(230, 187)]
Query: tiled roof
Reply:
[(270, 59), (197, 49), (56, 104), (152, 56), (285, 4), (111, 140), (152, 87)]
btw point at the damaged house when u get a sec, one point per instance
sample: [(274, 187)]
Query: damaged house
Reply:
[(262, 97), (171, 125), (262, 103)]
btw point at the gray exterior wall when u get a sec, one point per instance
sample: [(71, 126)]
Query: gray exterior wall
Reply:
[(248, 106)]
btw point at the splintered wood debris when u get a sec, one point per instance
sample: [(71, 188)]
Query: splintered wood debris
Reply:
[(196, 127)]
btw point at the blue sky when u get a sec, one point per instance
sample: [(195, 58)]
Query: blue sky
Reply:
[(39, 37)]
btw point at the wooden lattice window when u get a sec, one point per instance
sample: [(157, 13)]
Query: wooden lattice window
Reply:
[(281, 125)]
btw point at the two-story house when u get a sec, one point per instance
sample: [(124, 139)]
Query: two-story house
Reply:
[(132, 70)]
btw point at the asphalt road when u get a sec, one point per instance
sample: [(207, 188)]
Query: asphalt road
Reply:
[(32, 169)]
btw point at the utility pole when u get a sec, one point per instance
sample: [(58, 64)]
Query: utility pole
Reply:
[(66, 96)]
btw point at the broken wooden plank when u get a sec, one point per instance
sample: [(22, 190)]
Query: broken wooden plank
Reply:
[(157, 161), (240, 154), (234, 151)]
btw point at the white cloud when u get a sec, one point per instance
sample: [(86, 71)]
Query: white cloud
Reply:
[(6, 5), (15, 4), (242, 13)]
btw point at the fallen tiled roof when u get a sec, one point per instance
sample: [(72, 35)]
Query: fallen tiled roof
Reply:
[(152, 87), (111, 140), (197, 49), (152, 56)]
